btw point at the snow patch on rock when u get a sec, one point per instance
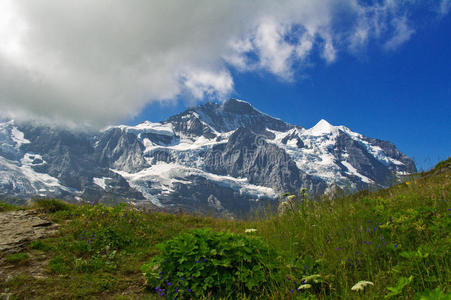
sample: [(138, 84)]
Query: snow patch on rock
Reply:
[(101, 181), (147, 127), (353, 171), (160, 179)]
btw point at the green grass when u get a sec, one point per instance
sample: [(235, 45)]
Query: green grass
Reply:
[(51, 205), (397, 238), (17, 258), (41, 245), (7, 207)]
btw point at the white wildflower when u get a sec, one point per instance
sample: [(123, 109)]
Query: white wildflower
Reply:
[(304, 286), (360, 286), (250, 230)]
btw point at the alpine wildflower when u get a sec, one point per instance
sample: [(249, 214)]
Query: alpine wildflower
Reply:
[(250, 230), (361, 285), (304, 286)]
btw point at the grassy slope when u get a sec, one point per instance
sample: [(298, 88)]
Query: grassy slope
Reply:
[(381, 237)]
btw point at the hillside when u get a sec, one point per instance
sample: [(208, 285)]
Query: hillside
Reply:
[(397, 238)]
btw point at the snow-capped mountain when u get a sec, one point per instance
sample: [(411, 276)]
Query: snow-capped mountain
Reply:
[(220, 158)]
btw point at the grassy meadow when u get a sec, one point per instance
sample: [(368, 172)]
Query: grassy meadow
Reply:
[(396, 240)]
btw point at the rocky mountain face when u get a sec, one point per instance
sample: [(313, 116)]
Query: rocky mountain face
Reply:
[(222, 159)]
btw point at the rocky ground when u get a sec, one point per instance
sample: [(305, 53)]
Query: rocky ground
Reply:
[(17, 230)]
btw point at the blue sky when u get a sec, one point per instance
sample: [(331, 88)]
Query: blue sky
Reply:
[(401, 95), (380, 67)]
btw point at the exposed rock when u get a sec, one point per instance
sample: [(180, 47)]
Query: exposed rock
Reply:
[(248, 155), (19, 228)]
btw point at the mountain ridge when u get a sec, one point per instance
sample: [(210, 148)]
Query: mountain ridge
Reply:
[(225, 157)]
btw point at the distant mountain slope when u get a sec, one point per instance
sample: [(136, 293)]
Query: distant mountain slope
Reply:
[(222, 158)]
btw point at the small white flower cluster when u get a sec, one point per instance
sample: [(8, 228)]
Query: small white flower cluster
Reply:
[(306, 282), (250, 230), (361, 285), (304, 286)]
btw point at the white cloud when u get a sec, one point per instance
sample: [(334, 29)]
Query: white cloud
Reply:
[(208, 84), (305, 46), (274, 53), (102, 61), (329, 52), (401, 34), (444, 7), (236, 57)]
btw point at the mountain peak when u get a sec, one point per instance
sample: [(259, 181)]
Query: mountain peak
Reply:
[(238, 106), (225, 117), (322, 127)]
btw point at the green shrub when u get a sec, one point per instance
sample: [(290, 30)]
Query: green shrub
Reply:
[(205, 263), (51, 205), (17, 258)]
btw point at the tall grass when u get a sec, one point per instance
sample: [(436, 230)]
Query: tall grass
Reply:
[(399, 232)]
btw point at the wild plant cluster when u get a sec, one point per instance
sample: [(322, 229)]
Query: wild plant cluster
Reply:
[(205, 263)]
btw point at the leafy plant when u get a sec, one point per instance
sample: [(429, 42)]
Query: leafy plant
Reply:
[(205, 263), (436, 294), (402, 282)]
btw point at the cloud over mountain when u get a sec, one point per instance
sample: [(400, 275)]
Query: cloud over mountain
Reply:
[(98, 62)]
